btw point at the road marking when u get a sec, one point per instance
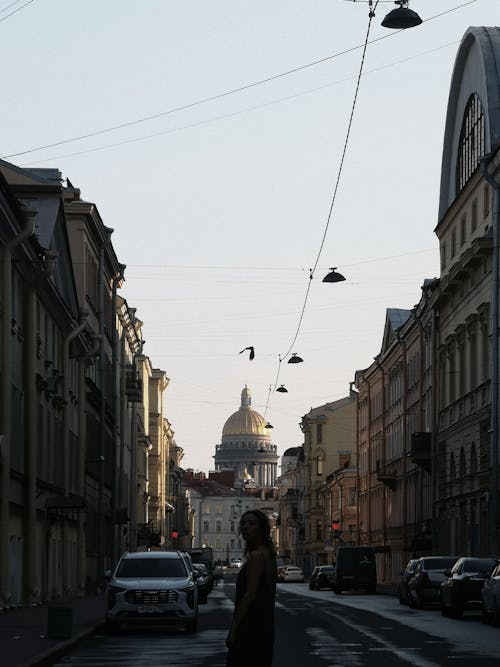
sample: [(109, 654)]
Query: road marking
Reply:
[(325, 646), (288, 610), (404, 654)]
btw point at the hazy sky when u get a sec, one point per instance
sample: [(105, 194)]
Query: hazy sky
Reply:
[(219, 208)]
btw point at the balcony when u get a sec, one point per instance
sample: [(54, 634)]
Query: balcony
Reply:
[(133, 385), (388, 478)]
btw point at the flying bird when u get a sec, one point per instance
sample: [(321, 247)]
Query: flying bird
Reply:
[(252, 352)]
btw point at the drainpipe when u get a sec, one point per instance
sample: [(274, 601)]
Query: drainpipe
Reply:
[(66, 435), (30, 564), (494, 491), (116, 454), (82, 438), (384, 487), (434, 428), (101, 531), (6, 405)]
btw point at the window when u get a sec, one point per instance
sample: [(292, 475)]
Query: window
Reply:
[(218, 526), (453, 469), (443, 256), (206, 526), (486, 201), (319, 530), (473, 221), (471, 142), (463, 229), (462, 465), (218, 509), (453, 244), (319, 465), (232, 526), (319, 432)]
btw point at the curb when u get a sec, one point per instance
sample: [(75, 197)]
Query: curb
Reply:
[(50, 655)]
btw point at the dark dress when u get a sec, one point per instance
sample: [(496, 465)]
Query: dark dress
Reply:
[(255, 635)]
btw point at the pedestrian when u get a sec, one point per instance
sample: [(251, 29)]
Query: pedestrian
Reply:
[(250, 639)]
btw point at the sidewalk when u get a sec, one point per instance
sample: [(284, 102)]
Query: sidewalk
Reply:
[(23, 640)]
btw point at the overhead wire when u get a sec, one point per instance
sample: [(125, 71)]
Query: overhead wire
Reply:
[(217, 96), (4, 18), (281, 358), (233, 114)]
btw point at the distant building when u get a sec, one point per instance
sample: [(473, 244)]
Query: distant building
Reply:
[(246, 448)]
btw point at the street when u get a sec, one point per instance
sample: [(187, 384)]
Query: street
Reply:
[(313, 629)]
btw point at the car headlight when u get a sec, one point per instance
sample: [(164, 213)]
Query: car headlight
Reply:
[(112, 591), (189, 591)]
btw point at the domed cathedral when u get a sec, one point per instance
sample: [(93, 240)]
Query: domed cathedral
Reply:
[(246, 448)]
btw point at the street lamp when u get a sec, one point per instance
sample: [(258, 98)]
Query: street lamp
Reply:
[(333, 276), (402, 17)]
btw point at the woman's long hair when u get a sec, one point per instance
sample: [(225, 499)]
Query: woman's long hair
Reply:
[(265, 528)]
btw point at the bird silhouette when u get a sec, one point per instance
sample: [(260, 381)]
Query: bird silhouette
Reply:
[(252, 352)]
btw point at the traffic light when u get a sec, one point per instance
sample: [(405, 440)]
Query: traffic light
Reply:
[(336, 530)]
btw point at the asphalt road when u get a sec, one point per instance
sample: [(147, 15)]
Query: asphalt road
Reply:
[(313, 629)]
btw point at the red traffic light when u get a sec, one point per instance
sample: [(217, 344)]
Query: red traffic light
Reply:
[(175, 534), (335, 525)]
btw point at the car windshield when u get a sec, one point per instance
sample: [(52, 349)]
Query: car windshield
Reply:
[(484, 565), (151, 567), (438, 563)]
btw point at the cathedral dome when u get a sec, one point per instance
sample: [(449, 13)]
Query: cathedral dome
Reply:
[(246, 421)]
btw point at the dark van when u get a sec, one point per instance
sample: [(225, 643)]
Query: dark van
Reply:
[(355, 569)]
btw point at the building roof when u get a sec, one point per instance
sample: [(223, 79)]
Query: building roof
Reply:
[(246, 421), (319, 412)]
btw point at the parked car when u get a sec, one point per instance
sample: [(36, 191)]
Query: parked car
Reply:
[(236, 563), (404, 577), (355, 568), (424, 587), (151, 587), (462, 589), (490, 594), (292, 573), (203, 582), (321, 577)]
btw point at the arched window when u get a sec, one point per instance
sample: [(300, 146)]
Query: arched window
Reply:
[(471, 143), (453, 469), (473, 460), (462, 465)]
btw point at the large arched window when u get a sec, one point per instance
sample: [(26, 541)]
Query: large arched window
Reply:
[(471, 144)]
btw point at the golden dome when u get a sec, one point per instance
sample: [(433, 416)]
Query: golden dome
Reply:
[(246, 421)]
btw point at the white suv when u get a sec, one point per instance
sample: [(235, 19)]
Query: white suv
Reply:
[(150, 587)]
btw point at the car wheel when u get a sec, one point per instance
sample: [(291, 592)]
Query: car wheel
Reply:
[(456, 612), (336, 590), (192, 626)]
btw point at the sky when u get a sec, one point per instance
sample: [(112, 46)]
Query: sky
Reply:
[(220, 180)]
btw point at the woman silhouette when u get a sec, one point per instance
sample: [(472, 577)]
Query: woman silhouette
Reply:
[(250, 639)]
